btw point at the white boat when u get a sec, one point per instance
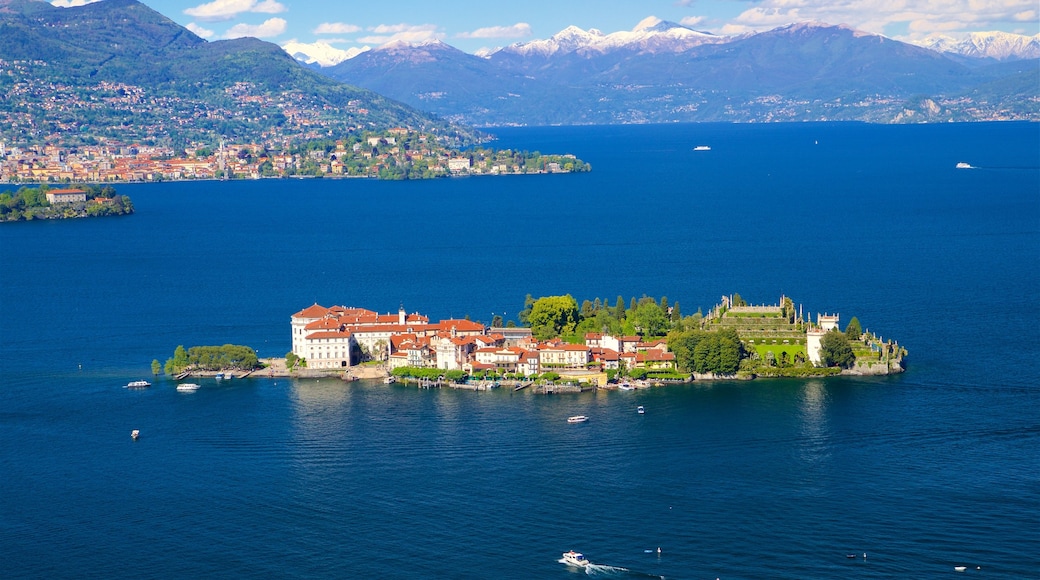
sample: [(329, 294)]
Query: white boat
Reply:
[(963, 165), (390, 380), (640, 410), (702, 148), (577, 419), (626, 387), (577, 559), (135, 434), (138, 385), (187, 387), (960, 568)]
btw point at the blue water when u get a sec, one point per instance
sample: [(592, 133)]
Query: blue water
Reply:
[(925, 471)]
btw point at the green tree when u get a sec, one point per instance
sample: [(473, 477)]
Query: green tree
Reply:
[(156, 367), (853, 331), (738, 301), (525, 314), (835, 350), (649, 319), (619, 308), (552, 316)]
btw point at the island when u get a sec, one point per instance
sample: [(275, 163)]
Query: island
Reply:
[(558, 345), (81, 201)]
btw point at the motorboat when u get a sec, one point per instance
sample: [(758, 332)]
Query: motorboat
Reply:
[(135, 434), (138, 385), (577, 559), (640, 410), (390, 380), (960, 568), (187, 387), (963, 165), (626, 387), (577, 419), (702, 148)]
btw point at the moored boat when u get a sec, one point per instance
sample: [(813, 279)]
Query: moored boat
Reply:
[(187, 387), (577, 419), (577, 559)]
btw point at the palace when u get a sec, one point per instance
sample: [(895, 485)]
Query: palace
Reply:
[(340, 337)]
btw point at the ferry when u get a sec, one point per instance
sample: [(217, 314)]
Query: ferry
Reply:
[(577, 419), (138, 385), (187, 387), (577, 559)]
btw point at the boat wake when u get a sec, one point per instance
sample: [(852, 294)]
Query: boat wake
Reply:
[(616, 571)]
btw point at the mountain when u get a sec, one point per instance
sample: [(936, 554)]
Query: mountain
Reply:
[(320, 53), (121, 71), (1000, 46), (665, 72)]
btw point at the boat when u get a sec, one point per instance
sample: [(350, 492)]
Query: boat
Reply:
[(135, 434), (702, 148), (963, 165), (577, 419), (960, 568), (187, 387), (577, 559), (138, 385), (219, 376), (640, 410), (389, 380), (626, 387)]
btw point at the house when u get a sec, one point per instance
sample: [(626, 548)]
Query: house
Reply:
[(458, 164), (66, 196)]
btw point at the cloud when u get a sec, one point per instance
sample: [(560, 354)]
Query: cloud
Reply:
[(518, 30), (692, 20), (72, 3), (198, 30), (336, 28), (269, 28), (228, 9), (412, 33), (918, 16)]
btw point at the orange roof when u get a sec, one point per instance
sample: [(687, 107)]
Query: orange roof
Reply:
[(314, 311), (336, 334)]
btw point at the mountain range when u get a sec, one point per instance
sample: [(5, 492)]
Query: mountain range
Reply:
[(118, 70), (664, 72)]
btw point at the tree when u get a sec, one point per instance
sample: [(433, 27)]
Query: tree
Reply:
[(496, 321), (619, 308), (525, 314), (853, 331), (649, 318), (835, 350), (156, 367), (552, 316), (738, 301)]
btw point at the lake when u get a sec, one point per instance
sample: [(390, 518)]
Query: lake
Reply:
[(935, 468)]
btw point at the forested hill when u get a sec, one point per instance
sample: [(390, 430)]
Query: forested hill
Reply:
[(122, 71)]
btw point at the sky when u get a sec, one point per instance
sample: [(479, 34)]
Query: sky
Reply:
[(472, 25)]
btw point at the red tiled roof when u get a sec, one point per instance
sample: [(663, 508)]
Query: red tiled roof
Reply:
[(314, 311)]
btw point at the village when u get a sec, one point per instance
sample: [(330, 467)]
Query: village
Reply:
[(341, 339), (398, 153)]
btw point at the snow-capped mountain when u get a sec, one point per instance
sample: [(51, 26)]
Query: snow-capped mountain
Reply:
[(652, 35), (320, 53), (996, 45)]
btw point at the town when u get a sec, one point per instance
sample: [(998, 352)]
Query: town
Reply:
[(398, 153), (759, 341)]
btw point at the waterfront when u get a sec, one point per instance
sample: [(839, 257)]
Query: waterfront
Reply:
[(316, 478)]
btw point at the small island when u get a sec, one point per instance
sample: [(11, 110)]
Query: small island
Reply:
[(81, 201), (558, 346)]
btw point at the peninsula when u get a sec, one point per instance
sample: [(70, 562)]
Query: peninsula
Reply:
[(559, 343)]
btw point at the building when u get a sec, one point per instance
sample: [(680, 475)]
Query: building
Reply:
[(66, 196)]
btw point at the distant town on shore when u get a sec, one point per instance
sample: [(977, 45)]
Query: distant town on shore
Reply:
[(559, 343), (398, 153)]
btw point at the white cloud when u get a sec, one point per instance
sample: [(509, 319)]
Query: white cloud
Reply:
[(198, 30), (692, 21), (336, 28), (518, 30), (269, 28), (228, 9), (412, 33), (920, 17), (71, 3)]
